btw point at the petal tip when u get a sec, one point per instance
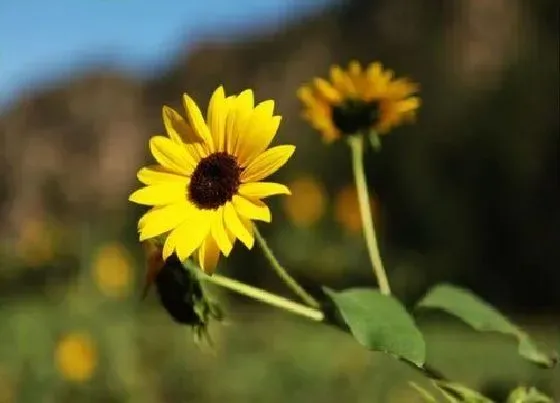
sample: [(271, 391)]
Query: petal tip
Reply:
[(133, 197)]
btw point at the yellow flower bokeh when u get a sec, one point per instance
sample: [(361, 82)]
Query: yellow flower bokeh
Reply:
[(112, 270), (347, 209), (76, 357), (307, 204)]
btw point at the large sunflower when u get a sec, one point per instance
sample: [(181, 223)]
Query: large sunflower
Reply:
[(206, 187), (358, 101)]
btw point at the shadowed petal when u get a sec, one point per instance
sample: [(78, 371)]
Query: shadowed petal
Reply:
[(235, 225), (208, 255), (197, 122)]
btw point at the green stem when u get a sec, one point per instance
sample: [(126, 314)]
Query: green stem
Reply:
[(282, 273), (357, 147), (265, 296)]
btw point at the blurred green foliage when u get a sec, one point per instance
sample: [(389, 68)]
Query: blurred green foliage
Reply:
[(260, 354)]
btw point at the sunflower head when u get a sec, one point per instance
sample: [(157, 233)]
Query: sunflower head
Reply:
[(207, 186), (358, 101)]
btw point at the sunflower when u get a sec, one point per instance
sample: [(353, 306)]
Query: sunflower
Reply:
[(206, 188), (358, 101)]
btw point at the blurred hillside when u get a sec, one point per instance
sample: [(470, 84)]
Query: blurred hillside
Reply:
[(469, 194)]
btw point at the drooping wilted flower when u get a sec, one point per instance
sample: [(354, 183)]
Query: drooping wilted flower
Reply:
[(179, 289)]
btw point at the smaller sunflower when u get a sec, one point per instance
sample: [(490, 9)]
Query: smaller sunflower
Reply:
[(358, 101)]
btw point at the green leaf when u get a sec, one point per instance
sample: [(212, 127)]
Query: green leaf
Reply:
[(380, 323), (483, 317)]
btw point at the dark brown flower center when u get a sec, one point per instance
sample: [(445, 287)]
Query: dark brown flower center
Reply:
[(214, 181), (354, 116)]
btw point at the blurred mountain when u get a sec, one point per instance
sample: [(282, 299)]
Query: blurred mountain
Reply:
[(471, 189)]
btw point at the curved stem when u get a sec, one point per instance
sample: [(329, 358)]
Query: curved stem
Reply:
[(264, 296), (357, 147), (282, 273)]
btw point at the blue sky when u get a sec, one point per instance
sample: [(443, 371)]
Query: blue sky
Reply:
[(41, 40)]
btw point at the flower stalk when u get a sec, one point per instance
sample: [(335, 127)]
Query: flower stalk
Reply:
[(265, 297), (282, 273), (357, 148)]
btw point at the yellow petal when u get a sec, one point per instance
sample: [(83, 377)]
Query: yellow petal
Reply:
[(401, 88), (180, 132), (171, 155), (408, 105), (357, 78), (235, 225), (197, 122), (230, 121), (253, 209), (326, 90), (162, 219), (220, 234), (265, 108), (259, 132), (258, 190), (248, 224), (161, 193), (188, 236), (341, 81), (305, 94), (154, 174), (267, 163), (175, 125), (237, 120), (354, 68), (374, 71), (217, 113), (246, 100), (208, 255), (168, 245)]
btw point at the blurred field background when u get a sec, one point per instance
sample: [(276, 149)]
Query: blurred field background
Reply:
[(468, 195)]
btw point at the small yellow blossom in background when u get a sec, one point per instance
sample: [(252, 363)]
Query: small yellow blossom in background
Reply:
[(306, 206), (358, 101), (112, 270), (35, 245), (208, 184), (347, 209), (76, 357)]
